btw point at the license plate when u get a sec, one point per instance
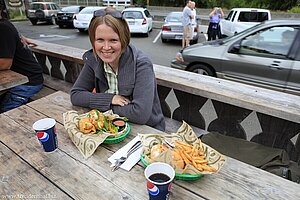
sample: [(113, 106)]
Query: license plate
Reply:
[(131, 23), (178, 37), (65, 17)]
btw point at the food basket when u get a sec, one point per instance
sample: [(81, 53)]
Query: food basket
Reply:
[(120, 138), (185, 177), (184, 151)]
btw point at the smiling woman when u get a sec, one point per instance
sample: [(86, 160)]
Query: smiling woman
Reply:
[(121, 74)]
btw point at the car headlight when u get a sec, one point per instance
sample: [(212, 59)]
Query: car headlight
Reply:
[(179, 57)]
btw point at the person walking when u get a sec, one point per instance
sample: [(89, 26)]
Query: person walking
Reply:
[(121, 74), (187, 24), (213, 27), (16, 56)]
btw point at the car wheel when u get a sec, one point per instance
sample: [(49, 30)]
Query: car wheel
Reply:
[(194, 41), (201, 69), (81, 30), (39, 14), (61, 26), (163, 40), (147, 34), (33, 21)]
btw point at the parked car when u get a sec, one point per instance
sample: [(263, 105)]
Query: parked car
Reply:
[(266, 55), (65, 16), (139, 20), (42, 11), (82, 20), (240, 19), (172, 28)]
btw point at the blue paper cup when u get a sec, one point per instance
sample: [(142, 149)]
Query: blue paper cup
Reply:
[(46, 133), (159, 180)]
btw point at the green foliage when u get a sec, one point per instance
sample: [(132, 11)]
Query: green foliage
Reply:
[(141, 2), (295, 9), (16, 14), (268, 4)]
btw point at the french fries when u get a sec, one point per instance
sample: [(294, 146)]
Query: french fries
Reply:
[(193, 155)]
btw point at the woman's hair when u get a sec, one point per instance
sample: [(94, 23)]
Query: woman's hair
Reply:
[(119, 26)]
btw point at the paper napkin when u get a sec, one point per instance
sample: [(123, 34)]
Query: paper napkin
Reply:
[(133, 158)]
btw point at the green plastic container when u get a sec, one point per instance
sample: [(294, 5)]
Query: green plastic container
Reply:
[(115, 140)]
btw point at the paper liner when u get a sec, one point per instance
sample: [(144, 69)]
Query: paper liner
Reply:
[(86, 143), (186, 134)]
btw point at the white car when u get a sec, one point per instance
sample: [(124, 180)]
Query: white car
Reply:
[(82, 20), (240, 19), (139, 20)]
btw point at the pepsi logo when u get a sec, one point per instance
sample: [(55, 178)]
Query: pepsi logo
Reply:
[(170, 186), (43, 136), (152, 189)]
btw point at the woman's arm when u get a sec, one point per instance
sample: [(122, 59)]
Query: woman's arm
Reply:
[(140, 108), (82, 95)]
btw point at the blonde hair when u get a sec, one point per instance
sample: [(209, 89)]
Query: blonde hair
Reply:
[(119, 26)]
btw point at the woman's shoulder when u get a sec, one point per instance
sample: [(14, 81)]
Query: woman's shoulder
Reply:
[(90, 59), (88, 55), (138, 53)]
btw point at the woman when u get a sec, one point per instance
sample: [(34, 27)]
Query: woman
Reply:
[(213, 27), (122, 75)]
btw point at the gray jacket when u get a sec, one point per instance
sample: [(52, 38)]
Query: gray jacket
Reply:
[(136, 81)]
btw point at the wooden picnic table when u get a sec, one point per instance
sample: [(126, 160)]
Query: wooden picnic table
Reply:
[(9, 79), (27, 171)]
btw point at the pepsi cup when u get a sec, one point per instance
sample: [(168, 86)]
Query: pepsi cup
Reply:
[(46, 133), (159, 180)]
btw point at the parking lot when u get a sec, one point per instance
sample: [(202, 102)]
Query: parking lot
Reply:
[(160, 53)]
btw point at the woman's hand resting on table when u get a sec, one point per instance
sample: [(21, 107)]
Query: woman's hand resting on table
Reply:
[(120, 100)]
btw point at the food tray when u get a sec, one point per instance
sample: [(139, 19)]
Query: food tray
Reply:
[(115, 140), (185, 177)]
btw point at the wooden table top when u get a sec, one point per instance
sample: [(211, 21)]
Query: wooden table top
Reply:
[(9, 79), (27, 170)]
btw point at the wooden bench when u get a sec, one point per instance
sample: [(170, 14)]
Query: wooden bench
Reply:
[(277, 114)]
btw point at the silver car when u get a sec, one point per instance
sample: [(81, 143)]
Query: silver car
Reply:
[(266, 55), (172, 28), (42, 11)]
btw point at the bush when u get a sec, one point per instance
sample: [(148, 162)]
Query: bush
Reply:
[(16, 14), (295, 9)]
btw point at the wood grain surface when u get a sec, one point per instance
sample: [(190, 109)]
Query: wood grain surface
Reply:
[(67, 170), (9, 79)]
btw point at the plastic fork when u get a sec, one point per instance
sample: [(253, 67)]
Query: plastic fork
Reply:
[(121, 160)]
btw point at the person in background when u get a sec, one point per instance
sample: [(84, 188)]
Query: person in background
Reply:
[(16, 56), (121, 74), (187, 24), (213, 27), (193, 8)]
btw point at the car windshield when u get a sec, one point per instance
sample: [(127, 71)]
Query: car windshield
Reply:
[(132, 15), (174, 17), (36, 6), (70, 9), (253, 16), (88, 10)]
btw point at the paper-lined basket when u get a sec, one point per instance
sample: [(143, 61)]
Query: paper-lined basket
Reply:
[(186, 134)]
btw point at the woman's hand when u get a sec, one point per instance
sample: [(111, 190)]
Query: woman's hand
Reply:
[(120, 100)]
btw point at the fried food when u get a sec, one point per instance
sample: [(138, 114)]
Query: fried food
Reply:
[(85, 126), (177, 159), (185, 154), (156, 150), (193, 155)]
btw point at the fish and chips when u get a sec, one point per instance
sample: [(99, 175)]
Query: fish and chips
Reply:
[(184, 154)]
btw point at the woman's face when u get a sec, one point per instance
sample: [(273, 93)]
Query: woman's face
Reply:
[(108, 45)]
